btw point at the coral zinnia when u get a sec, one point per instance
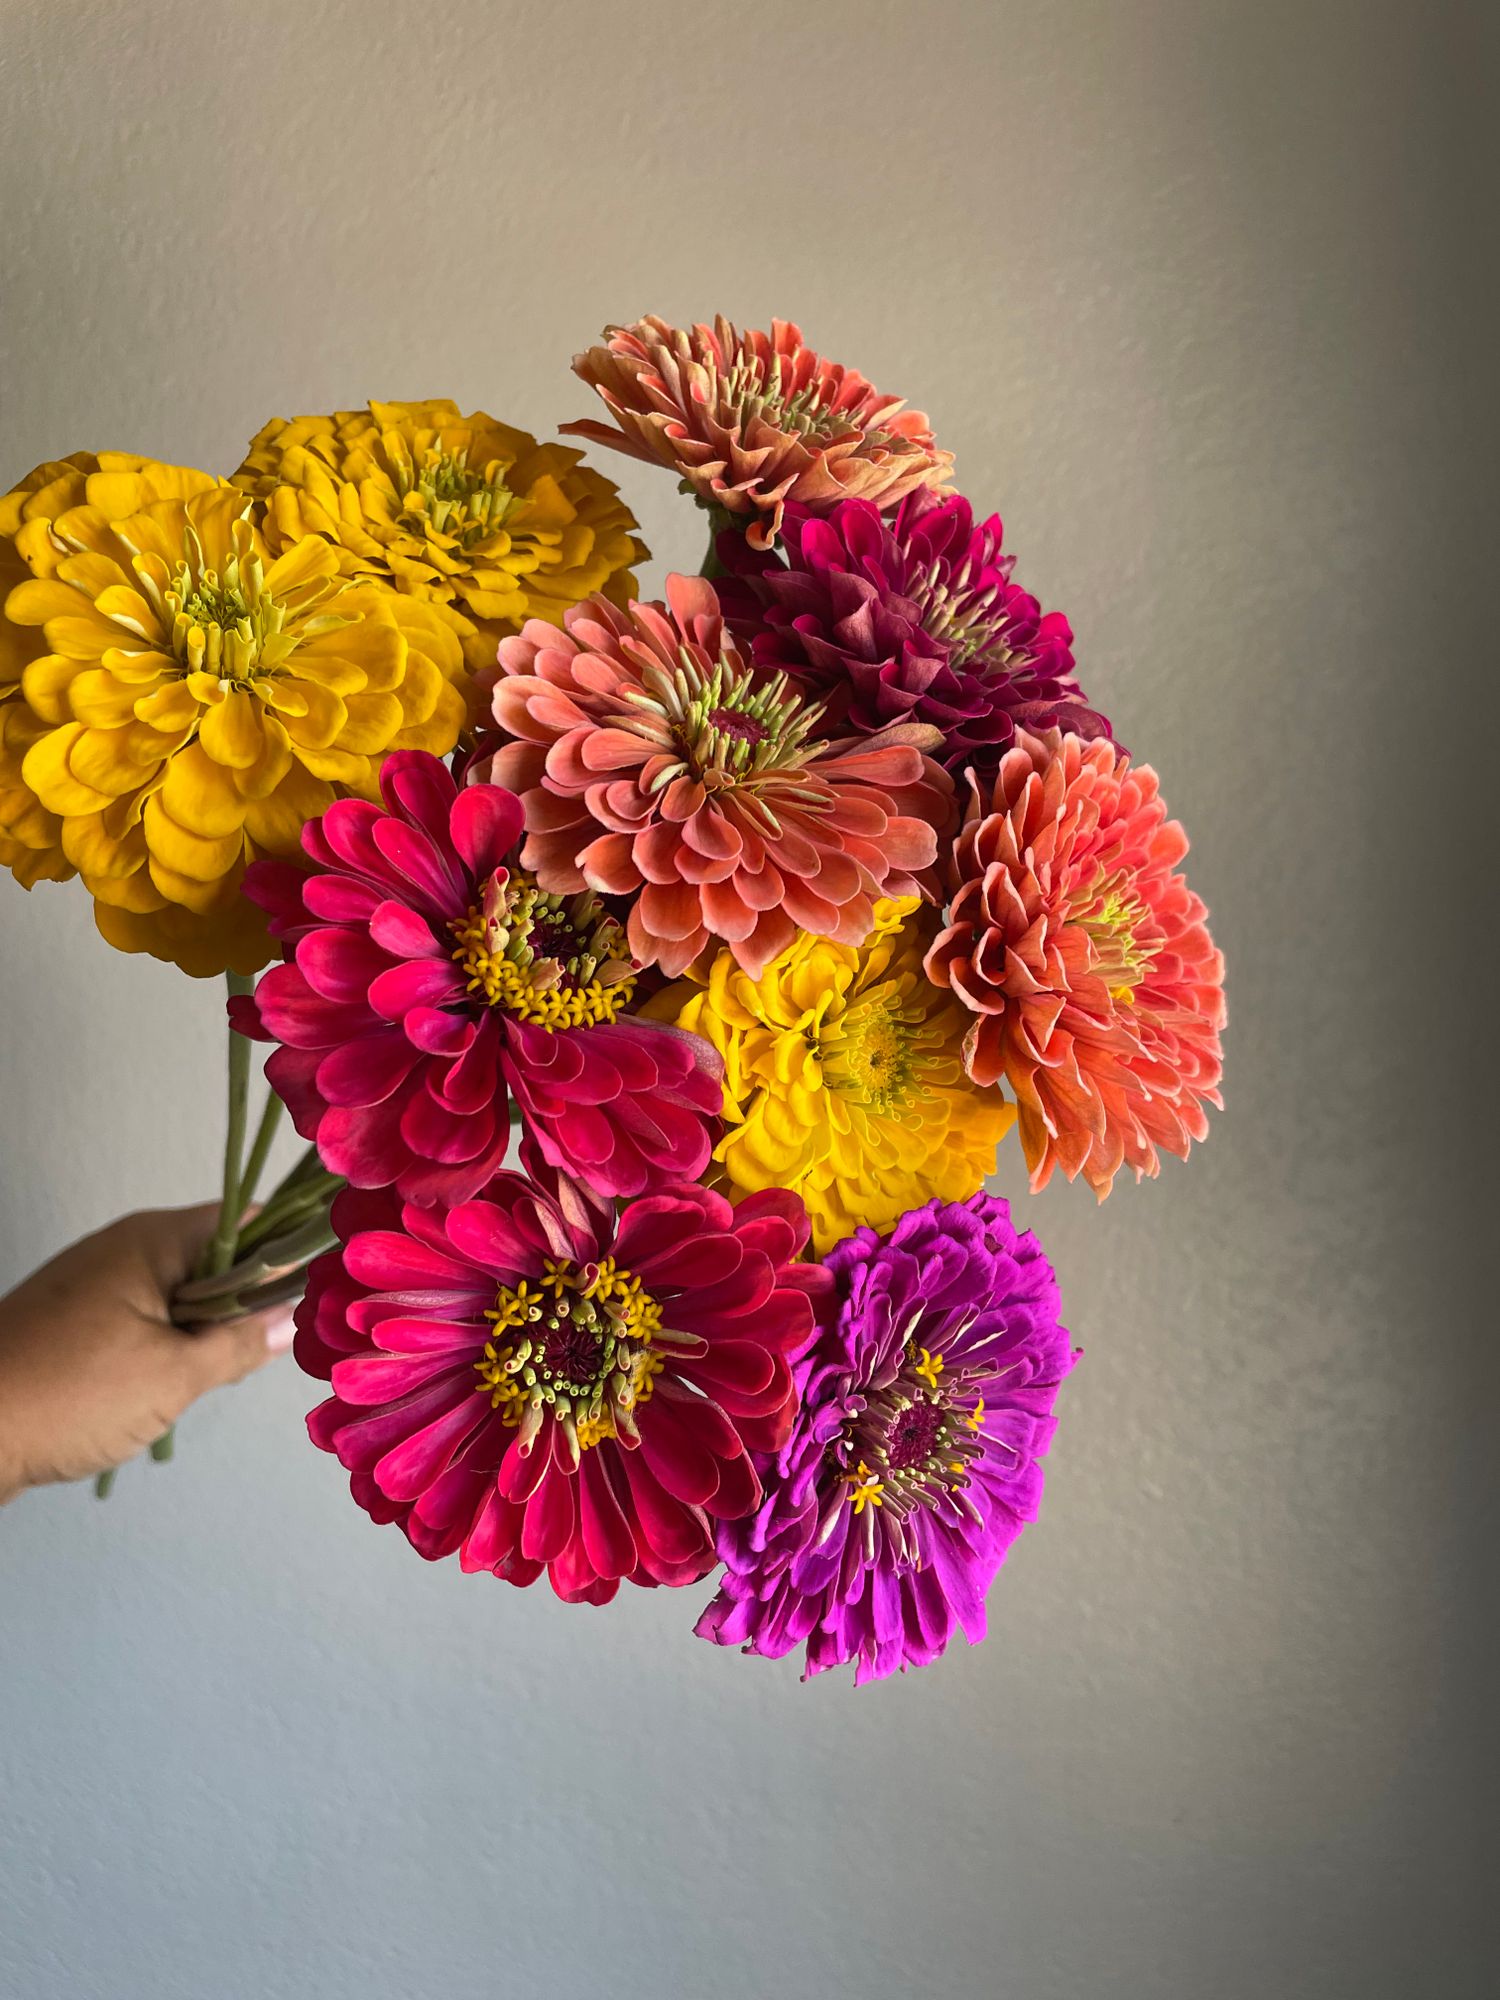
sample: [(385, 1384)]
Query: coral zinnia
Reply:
[(464, 512), (531, 1382), (915, 619), (195, 699), (842, 1077), (653, 763), (1085, 957), (754, 420), (425, 977), (912, 1465)]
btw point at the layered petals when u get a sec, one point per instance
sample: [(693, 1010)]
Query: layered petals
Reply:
[(655, 765), (1084, 960), (924, 1407), (530, 1384), (428, 988), (470, 515), (183, 698), (842, 1076), (915, 618), (751, 421)]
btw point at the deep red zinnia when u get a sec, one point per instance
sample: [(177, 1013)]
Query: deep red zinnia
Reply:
[(428, 980), (529, 1382)]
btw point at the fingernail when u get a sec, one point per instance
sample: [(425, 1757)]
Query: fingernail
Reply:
[(281, 1333)]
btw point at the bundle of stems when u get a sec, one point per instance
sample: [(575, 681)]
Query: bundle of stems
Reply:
[(253, 1259)]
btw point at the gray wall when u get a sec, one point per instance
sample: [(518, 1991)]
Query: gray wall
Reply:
[(1182, 283)]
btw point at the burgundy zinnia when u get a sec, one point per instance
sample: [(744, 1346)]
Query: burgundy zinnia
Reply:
[(913, 618), (912, 1465), (530, 1382), (426, 977)]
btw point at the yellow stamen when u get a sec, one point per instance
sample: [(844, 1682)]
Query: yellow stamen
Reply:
[(928, 1366), (868, 1490)]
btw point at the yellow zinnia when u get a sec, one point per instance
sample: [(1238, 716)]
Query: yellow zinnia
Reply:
[(30, 836), (463, 512), (842, 1076), (187, 698)]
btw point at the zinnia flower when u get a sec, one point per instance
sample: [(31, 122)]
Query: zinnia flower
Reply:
[(192, 699), (915, 619), (751, 421), (30, 836), (1097, 992), (654, 763), (463, 512), (532, 1382), (842, 1076), (911, 1468), (427, 977)]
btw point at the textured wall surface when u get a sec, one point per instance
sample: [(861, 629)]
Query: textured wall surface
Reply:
[(1186, 286)]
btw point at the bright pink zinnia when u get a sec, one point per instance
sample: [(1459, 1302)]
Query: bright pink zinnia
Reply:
[(529, 1382), (427, 978), (655, 763)]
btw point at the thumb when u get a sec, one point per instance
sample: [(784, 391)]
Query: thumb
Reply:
[(236, 1349)]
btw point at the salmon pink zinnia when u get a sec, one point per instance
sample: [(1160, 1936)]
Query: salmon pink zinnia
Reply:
[(654, 763), (750, 420), (530, 1382), (1097, 992), (427, 976)]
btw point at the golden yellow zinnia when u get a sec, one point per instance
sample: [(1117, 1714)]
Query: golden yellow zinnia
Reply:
[(182, 698), (843, 1077), (463, 512), (30, 836)]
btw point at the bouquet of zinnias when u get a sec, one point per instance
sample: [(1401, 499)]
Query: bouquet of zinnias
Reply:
[(657, 981)]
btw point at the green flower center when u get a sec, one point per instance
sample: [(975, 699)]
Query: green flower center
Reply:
[(752, 388), (1113, 919), (451, 498), (225, 621), (729, 722), (872, 1053), (579, 1342), (556, 961)]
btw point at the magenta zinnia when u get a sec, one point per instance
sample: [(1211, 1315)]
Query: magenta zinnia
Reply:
[(530, 1382), (655, 763), (427, 977), (911, 1468), (912, 619)]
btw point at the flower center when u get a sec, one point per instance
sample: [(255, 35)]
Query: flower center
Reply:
[(450, 498), (872, 1052), (1113, 918), (556, 961), (578, 1341), (964, 613), (752, 389), (910, 1445), (224, 621), (729, 723)]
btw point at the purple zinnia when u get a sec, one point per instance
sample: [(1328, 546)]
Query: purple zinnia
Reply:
[(911, 618), (925, 1404)]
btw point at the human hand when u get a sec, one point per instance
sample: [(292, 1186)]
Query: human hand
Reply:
[(92, 1370)]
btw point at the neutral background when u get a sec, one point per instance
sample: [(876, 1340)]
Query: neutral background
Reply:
[(1190, 289)]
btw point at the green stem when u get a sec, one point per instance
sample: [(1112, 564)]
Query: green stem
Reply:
[(255, 1164), (288, 1205), (104, 1485), (220, 1252)]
